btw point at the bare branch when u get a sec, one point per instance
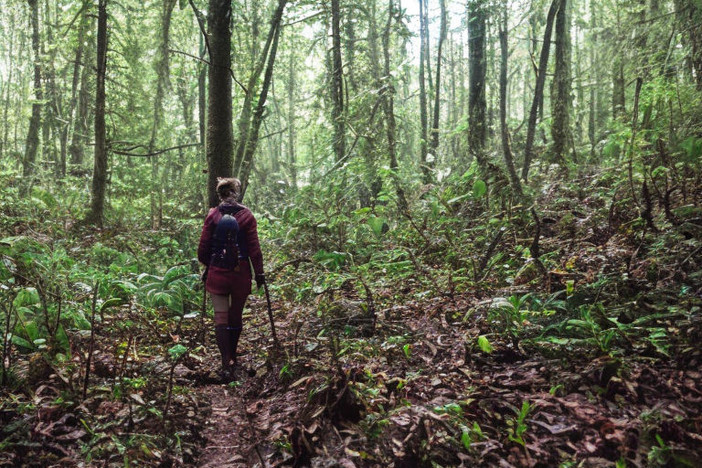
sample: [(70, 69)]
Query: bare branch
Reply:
[(155, 153)]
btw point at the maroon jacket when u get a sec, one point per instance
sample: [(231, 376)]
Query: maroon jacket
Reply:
[(247, 239)]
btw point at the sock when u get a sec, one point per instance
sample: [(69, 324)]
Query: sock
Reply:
[(234, 333), (224, 343)]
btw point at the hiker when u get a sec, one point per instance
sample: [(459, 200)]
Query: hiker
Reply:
[(228, 242)]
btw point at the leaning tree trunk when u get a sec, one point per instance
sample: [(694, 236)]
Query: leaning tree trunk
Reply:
[(337, 88), (434, 144), (562, 101), (477, 16), (219, 109), (252, 137), (504, 131), (32, 146), (539, 88), (245, 119), (97, 206)]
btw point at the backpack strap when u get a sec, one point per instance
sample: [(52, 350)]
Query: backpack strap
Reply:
[(230, 209)]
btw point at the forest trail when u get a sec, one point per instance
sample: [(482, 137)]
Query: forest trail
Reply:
[(237, 424), (408, 402), (224, 429)]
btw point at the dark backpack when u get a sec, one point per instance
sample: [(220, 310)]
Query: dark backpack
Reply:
[(225, 250)]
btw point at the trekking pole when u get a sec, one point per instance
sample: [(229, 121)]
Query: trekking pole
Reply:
[(202, 315), (270, 314), (203, 310)]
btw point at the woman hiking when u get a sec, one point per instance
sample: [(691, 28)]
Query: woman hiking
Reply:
[(229, 241)]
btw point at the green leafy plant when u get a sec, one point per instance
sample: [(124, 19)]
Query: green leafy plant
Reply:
[(472, 434), (484, 344), (510, 314), (173, 291), (517, 426)]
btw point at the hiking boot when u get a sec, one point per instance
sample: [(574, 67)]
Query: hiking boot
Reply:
[(225, 375)]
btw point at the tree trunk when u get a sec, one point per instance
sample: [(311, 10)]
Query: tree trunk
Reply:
[(54, 112), (97, 206), (73, 108), (594, 82), (372, 185), (477, 16), (162, 85), (504, 131), (389, 110), (248, 142), (202, 100), (80, 123), (350, 46), (291, 122), (10, 65), (694, 34), (579, 89), (423, 117), (618, 87), (245, 119), (562, 101), (453, 114), (32, 145), (337, 88), (539, 88), (252, 138), (434, 146), (219, 109)]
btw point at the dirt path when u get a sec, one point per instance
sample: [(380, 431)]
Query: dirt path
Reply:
[(237, 425), (227, 439), (436, 401)]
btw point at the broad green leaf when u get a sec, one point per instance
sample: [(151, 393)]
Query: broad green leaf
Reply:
[(26, 297), (479, 188), (484, 344), (376, 225), (178, 351), (40, 343), (32, 331), (175, 273), (465, 440), (5, 273), (21, 342), (111, 302), (457, 199)]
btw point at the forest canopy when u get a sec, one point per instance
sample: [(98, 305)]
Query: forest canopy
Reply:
[(480, 219)]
